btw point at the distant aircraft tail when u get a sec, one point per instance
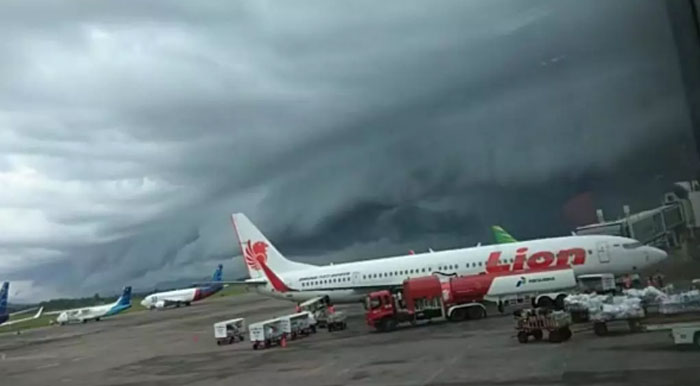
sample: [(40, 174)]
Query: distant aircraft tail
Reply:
[(3, 297), (256, 247), (125, 299), (501, 236), (218, 273)]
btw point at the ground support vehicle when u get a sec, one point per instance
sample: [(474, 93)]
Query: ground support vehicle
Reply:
[(336, 321), (320, 308), (268, 333), (687, 333), (534, 321), (420, 299), (298, 325), (228, 331)]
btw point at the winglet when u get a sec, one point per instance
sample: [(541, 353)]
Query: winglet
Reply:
[(39, 313)]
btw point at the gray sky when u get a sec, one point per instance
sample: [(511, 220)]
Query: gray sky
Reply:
[(129, 133)]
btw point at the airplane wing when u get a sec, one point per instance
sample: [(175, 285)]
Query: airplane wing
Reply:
[(36, 316), (24, 311), (249, 282)]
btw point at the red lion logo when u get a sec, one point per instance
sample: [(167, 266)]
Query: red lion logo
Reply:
[(255, 253)]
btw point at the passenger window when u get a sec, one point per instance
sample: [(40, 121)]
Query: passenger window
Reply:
[(423, 270)]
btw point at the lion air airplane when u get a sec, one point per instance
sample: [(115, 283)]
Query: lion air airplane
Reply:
[(350, 282)]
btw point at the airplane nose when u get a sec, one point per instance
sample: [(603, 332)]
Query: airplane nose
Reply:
[(659, 254), (656, 254)]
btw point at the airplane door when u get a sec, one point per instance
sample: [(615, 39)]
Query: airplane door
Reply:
[(603, 252), (355, 278)]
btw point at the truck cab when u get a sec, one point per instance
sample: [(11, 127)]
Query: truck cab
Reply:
[(380, 306)]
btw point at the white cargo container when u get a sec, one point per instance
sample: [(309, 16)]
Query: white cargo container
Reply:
[(228, 331), (299, 324), (267, 333)]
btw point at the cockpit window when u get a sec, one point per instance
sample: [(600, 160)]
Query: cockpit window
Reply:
[(632, 245)]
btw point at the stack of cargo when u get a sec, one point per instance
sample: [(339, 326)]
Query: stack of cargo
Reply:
[(683, 302), (618, 308)]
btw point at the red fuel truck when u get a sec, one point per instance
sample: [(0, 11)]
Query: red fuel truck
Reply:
[(458, 298)]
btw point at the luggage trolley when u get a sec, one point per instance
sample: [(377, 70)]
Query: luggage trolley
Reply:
[(535, 321), (228, 331)]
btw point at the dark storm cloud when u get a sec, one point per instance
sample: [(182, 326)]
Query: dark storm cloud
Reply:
[(344, 130)]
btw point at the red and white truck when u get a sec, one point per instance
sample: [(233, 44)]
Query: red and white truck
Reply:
[(457, 298)]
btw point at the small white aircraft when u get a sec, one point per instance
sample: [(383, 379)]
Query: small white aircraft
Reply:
[(5, 316), (82, 315)]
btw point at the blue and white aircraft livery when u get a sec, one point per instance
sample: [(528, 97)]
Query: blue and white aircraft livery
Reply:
[(4, 315), (82, 315), (183, 297)]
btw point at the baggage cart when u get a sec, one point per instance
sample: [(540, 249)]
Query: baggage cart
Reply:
[(533, 322), (267, 333), (229, 331)]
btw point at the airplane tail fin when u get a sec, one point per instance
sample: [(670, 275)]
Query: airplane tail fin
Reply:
[(126, 297), (501, 236), (256, 247), (218, 273), (3, 297)]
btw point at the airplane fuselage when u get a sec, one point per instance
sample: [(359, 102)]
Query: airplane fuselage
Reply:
[(350, 282), (91, 313), (178, 297)]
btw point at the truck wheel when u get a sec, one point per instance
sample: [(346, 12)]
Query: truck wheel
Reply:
[(97, 319), (218, 342), (545, 302), (634, 325), (522, 337), (391, 324), (458, 315), (600, 328), (537, 334), (313, 329), (696, 339), (255, 346), (555, 336), (559, 302), (565, 333), (476, 313), (187, 304)]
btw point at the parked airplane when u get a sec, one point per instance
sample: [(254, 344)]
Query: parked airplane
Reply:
[(82, 315), (350, 282), (185, 296), (5, 316)]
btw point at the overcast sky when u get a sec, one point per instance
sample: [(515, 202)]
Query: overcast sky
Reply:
[(130, 131)]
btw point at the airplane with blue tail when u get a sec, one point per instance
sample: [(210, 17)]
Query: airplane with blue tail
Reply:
[(5, 315), (83, 315), (185, 296)]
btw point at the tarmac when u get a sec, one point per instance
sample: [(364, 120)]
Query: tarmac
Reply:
[(177, 347)]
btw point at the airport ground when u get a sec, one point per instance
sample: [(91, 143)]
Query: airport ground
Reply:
[(176, 347)]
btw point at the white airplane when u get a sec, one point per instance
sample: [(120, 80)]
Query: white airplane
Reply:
[(350, 282), (82, 315), (5, 316), (185, 296)]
